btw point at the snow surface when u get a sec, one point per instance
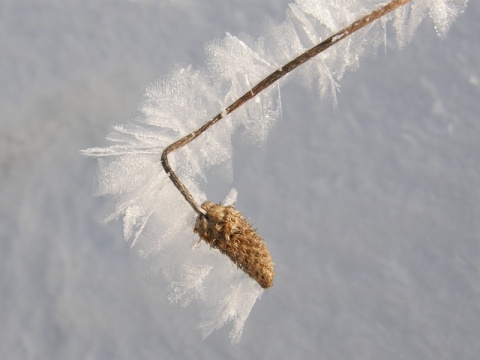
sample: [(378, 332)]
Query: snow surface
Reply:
[(370, 210)]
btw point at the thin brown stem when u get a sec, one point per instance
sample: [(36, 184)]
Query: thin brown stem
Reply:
[(266, 82)]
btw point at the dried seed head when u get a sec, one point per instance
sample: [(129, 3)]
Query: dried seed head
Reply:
[(227, 230)]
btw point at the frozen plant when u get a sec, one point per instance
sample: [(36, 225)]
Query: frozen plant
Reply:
[(156, 218)]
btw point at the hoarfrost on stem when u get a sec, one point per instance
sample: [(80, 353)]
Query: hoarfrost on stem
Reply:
[(157, 220)]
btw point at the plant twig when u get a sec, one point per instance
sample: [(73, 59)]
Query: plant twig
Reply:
[(263, 84)]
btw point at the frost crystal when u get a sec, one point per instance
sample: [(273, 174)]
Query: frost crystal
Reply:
[(157, 220)]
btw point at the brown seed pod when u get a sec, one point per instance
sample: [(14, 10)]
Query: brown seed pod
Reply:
[(226, 229)]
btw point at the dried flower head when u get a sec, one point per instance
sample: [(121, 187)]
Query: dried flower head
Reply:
[(226, 229)]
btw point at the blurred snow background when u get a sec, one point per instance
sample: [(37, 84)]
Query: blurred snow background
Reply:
[(371, 210)]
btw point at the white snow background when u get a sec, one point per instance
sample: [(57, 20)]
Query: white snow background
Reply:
[(370, 210)]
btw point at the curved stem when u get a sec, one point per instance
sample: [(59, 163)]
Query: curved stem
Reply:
[(266, 82)]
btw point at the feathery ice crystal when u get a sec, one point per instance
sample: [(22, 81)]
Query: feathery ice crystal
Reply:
[(156, 218)]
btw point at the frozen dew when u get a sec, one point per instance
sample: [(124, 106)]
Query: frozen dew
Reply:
[(157, 221)]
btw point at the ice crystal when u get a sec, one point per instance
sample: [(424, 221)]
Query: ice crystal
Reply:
[(157, 220)]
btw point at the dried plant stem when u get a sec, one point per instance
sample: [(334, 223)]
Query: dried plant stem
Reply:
[(266, 82)]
